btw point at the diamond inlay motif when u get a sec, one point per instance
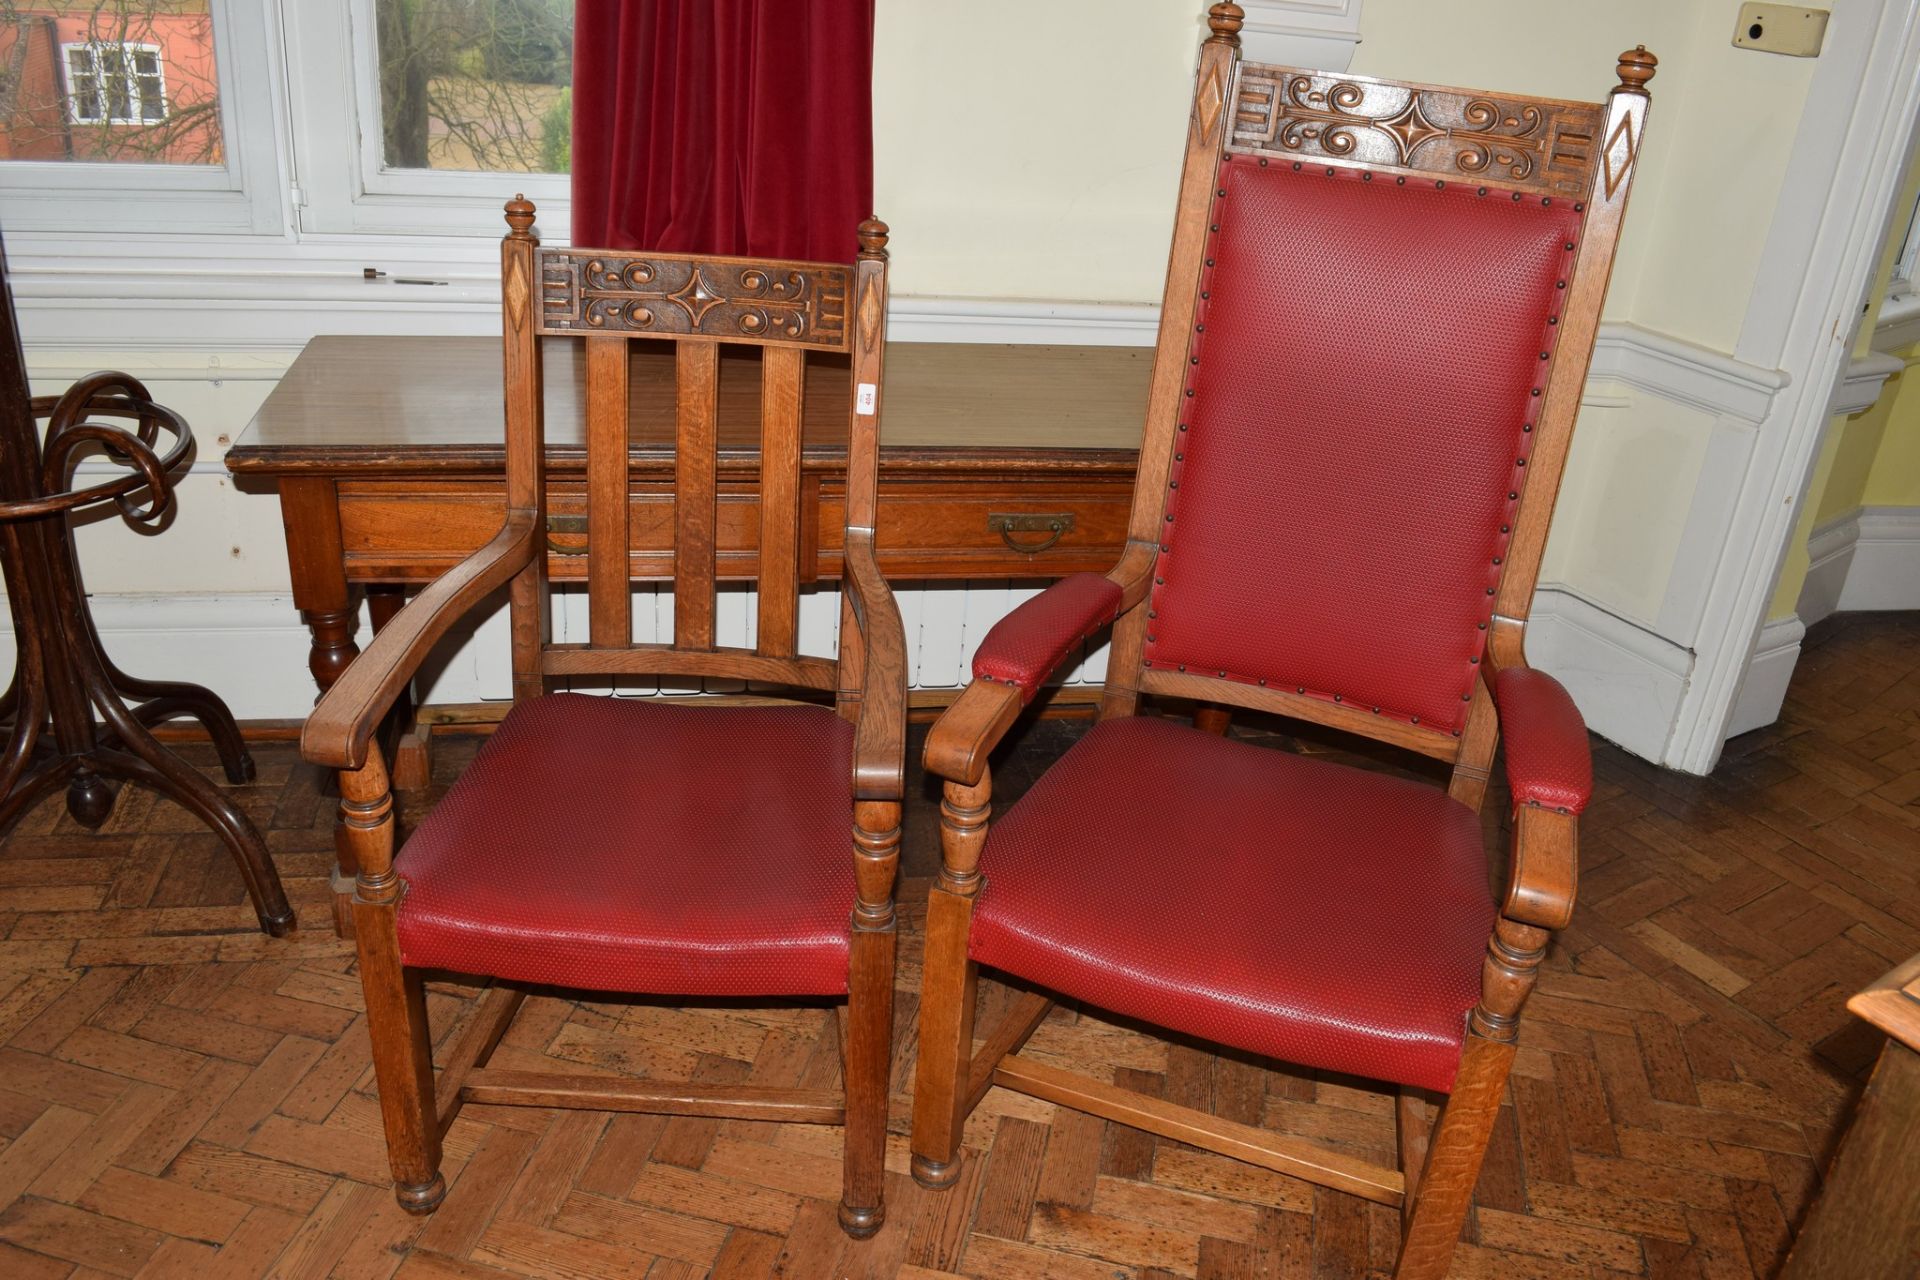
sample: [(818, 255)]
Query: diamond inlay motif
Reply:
[(1207, 104), (515, 290), (1622, 141)]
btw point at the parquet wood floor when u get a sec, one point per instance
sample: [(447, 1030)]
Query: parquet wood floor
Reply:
[(180, 1096)]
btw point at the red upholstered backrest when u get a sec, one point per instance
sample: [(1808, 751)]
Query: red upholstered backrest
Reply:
[(1369, 357)]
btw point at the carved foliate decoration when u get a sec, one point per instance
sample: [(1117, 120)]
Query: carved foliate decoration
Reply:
[(730, 299), (1532, 144)]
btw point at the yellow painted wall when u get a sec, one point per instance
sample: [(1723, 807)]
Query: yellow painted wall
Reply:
[(1894, 480)]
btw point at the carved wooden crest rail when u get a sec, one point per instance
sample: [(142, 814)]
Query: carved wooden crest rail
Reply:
[(732, 299), (1529, 144)]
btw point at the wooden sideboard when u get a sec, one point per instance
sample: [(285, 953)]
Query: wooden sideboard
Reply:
[(996, 461)]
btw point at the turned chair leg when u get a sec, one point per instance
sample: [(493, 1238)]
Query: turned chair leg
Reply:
[(1438, 1207), (402, 1064), (1437, 1204), (868, 1046), (948, 989), (396, 997)]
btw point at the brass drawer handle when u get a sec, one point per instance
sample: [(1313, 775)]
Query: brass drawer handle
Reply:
[(574, 525), (1007, 523)]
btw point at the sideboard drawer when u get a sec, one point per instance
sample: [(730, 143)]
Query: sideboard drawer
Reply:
[(414, 530)]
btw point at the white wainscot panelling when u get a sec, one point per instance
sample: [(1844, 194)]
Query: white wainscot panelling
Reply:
[(251, 649)]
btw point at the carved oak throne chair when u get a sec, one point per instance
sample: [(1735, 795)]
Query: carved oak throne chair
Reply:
[(625, 845), (1379, 312)]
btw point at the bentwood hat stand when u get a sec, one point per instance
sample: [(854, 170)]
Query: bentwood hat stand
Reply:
[(625, 845), (1379, 311), (62, 676)]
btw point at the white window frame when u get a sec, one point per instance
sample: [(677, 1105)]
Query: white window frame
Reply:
[(131, 79), (345, 186), (242, 195)]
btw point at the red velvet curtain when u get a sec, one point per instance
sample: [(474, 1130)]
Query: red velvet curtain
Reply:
[(723, 126)]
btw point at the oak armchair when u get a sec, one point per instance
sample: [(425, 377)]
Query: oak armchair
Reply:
[(1380, 308), (621, 844)]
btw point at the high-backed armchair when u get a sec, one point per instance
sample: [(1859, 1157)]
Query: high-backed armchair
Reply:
[(622, 844), (1379, 311)]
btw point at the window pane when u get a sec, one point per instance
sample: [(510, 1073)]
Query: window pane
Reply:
[(83, 86), (109, 80), (476, 84)]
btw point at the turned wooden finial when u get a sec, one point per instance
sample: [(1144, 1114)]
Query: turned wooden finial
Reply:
[(873, 238), (1636, 68), (1225, 19), (520, 217)]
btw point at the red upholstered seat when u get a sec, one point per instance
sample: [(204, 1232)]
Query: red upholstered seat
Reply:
[(621, 845), (1315, 913)]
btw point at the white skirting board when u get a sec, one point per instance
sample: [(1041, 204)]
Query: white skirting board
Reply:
[(1764, 691), (1866, 560), (1626, 680)]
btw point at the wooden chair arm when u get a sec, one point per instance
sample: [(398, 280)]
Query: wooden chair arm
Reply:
[(1546, 867), (880, 734), (967, 732), (336, 733)]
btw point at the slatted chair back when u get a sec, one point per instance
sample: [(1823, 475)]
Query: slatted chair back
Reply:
[(1380, 307), (607, 298)]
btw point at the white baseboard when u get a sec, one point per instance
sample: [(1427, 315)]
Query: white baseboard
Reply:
[(1626, 680), (1867, 560), (1829, 561), (1764, 691), (1885, 573)]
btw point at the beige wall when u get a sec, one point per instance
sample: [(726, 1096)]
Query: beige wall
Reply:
[(1027, 150), (1719, 135), (1031, 150)]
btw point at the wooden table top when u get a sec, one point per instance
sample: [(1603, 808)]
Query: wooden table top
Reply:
[(434, 404)]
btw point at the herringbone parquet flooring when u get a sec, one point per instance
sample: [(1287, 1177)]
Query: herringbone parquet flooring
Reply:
[(180, 1096)]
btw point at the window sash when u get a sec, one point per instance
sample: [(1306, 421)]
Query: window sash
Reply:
[(333, 54), (139, 204)]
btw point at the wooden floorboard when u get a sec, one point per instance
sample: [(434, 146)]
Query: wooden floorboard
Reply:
[(181, 1096)]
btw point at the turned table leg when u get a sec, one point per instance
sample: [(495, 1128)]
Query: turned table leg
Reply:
[(310, 509), (408, 741)]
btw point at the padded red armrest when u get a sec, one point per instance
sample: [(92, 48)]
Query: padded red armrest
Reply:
[(1548, 760), (1024, 647)]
